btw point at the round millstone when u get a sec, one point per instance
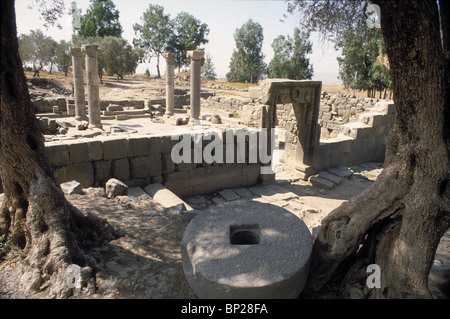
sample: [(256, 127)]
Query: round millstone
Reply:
[(246, 249)]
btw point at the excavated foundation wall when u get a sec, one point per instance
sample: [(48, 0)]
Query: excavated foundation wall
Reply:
[(141, 160)]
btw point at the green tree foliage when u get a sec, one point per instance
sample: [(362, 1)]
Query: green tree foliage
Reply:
[(362, 66), (101, 19), (118, 57), (247, 62), (290, 60), (208, 71), (153, 33), (37, 49), (63, 58), (188, 34)]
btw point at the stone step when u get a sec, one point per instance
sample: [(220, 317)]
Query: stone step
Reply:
[(331, 177), (340, 171), (320, 182), (229, 195), (272, 192)]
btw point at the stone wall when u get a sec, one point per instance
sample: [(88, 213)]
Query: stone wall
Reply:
[(45, 105), (228, 104), (336, 110), (358, 142), (353, 130), (141, 160)]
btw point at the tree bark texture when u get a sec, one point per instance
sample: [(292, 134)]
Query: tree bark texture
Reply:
[(34, 215), (398, 222)]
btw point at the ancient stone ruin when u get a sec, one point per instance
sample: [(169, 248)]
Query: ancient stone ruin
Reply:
[(227, 144)]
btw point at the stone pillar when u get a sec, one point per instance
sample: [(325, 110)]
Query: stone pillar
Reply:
[(196, 57), (78, 84), (92, 85), (170, 67)]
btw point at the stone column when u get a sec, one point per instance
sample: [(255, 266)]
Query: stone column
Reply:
[(196, 57), (92, 85), (78, 84), (170, 67)]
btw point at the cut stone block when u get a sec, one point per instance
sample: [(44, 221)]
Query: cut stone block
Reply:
[(138, 146), (136, 192), (333, 178), (72, 187), (82, 172), (243, 192), (58, 155), (115, 188), (121, 169), (165, 197), (229, 195), (95, 150), (102, 171), (115, 148), (114, 108), (168, 166), (343, 172), (321, 182), (79, 152), (162, 144)]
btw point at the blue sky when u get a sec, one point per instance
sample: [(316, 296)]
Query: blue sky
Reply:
[(222, 18)]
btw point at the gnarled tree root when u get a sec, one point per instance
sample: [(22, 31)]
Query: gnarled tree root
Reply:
[(53, 235)]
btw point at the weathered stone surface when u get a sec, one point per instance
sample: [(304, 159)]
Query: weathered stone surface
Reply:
[(215, 119), (331, 177), (321, 182), (95, 150), (246, 249), (145, 166), (115, 148), (168, 166), (243, 192), (72, 187), (92, 84), (82, 172), (114, 108), (121, 169), (58, 154), (78, 152), (136, 192), (102, 171), (340, 171), (165, 197), (138, 146), (115, 188), (229, 195), (161, 144)]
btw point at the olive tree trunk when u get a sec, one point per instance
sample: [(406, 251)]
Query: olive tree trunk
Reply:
[(398, 222), (35, 216)]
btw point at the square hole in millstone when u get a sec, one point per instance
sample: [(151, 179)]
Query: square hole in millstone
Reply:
[(246, 234)]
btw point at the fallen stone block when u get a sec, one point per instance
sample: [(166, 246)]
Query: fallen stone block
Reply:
[(229, 195), (136, 192), (243, 192), (321, 182), (115, 188), (331, 177), (72, 187), (215, 119), (343, 171), (165, 197)]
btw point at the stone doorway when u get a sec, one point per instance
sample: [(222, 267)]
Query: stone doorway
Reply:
[(302, 138)]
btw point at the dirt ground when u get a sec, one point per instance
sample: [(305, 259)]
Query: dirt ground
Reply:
[(145, 262)]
